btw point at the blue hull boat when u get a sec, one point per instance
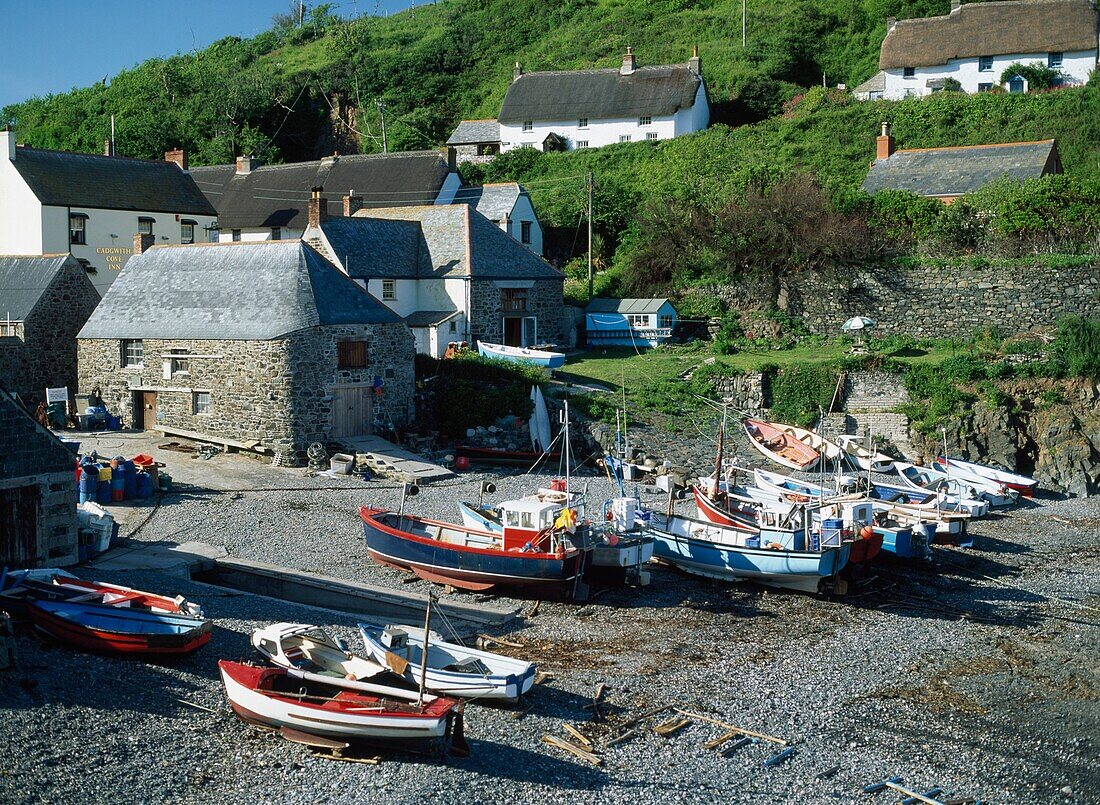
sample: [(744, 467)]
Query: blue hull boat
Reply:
[(718, 552), (539, 357)]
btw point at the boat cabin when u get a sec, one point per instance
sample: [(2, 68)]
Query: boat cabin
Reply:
[(784, 527), (525, 521)]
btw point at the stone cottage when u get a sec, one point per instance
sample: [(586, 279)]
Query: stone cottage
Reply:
[(260, 346), (44, 301), (450, 272), (38, 492)]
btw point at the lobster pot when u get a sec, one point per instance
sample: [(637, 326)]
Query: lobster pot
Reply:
[(89, 481), (131, 479), (623, 511), (832, 533), (118, 484)]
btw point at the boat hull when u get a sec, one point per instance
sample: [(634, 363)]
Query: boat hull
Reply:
[(495, 456), (757, 439), (465, 567), (538, 357), (980, 472), (101, 628)]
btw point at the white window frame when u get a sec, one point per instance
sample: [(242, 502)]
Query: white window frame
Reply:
[(184, 227), (624, 138), (638, 319), (645, 120), (1055, 59), (582, 144), (200, 407), (528, 125), (651, 135), (145, 225), (582, 123), (133, 353), (81, 219), (389, 290)]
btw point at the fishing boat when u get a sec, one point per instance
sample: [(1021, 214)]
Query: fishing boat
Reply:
[(780, 445), (539, 357), (781, 554), (54, 584), (903, 541), (860, 458), (280, 698), (801, 491), (102, 627), (530, 553), (922, 498), (932, 480), (948, 527), (830, 451), (968, 469), (452, 669)]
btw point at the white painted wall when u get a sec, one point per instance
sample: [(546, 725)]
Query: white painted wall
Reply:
[(256, 234), (20, 212), (523, 210), (596, 134), (1076, 66), (697, 117)]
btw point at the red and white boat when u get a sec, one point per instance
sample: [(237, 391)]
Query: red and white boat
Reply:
[(968, 470), (780, 444), (118, 630), (282, 699)]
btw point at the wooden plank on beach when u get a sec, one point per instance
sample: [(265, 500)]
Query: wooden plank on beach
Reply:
[(731, 727), (572, 748)]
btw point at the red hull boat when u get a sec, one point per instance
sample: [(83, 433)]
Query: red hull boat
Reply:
[(100, 628)]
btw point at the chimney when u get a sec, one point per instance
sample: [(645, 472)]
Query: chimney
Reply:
[(7, 142), (955, 5), (177, 155), (695, 64), (452, 159), (318, 208), (142, 243), (352, 204), (884, 143), (890, 23), (628, 67), (330, 160), (108, 147), (517, 71), (245, 164)]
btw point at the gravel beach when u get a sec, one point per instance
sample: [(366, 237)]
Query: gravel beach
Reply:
[(978, 673)]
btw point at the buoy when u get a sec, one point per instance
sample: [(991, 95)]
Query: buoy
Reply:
[(866, 532)]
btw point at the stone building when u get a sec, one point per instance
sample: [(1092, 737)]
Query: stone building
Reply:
[(260, 346), (92, 205), (508, 205), (38, 492), (476, 141), (451, 273), (44, 301), (270, 202)]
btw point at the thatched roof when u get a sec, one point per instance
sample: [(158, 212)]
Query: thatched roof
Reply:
[(992, 29)]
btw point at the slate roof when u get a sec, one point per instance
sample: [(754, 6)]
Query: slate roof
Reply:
[(278, 195), (64, 179), (624, 306), (27, 448), (494, 201), (429, 318), (599, 94), (23, 280), (232, 291), (445, 232), (876, 83), (377, 248), (991, 29), (963, 169), (471, 132)]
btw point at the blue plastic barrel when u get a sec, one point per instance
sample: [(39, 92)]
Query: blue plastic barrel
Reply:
[(144, 483), (89, 482), (831, 532), (131, 479), (118, 483), (103, 493)]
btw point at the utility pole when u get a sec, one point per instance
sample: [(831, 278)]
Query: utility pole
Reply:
[(301, 12), (744, 18), (382, 111), (588, 178)]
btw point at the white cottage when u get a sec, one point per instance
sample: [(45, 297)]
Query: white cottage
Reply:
[(976, 42), (629, 322), (563, 110), (92, 206)]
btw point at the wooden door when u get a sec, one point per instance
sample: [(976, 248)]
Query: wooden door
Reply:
[(513, 331), (148, 410), (352, 411), (19, 526)]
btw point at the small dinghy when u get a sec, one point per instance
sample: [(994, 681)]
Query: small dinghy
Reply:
[(311, 649), (780, 445), (54, 584), (968, 469), (860, 458), (118, 630), (285, 700), (933, 480), (453, 670), (539, 357)]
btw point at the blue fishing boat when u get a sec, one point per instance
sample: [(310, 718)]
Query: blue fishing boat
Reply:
[(783, 553), (539, 357), (102, 627)]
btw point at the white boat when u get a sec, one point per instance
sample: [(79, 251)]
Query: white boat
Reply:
[(539, 357), (968, 469), (860, 458), (540, 421), (794, 490), (929, 479), (311, 650), (830, 451), (780, 445), (453, 670)]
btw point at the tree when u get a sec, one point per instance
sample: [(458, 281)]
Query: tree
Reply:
[(1039, 77)]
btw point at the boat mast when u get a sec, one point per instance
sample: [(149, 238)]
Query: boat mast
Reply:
[(626, 437), (718, 458), (424, 651)]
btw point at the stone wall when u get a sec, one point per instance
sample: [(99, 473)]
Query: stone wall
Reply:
[(748, 392), (43, 353), (933, 301), (277, 393), (544, 300)]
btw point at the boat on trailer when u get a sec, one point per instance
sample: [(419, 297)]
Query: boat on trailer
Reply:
[(118, 630), (969, 469), (538, 357), (780, 445)]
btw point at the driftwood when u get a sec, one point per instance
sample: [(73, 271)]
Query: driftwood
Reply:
[(576, 733), (622, 736), (721, 739), (914, 795), (500, 641), (731, 727), (671, 726), (572, 748)]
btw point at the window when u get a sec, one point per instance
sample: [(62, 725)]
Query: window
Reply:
[(525, 231), (351, 355), (187, 231), (1054, 60), (145, 225), (526, 145), (528, 125), (77, 222), (645, 120), (985, 87), (389, 290), (454, 326), (624, 138), (985, 64), (638, 320), (651, 135), (200, 402), (180, 365), (9, 329), (213, 234), (276, 233), (582, 143), (133, 353), (666, 322), (513, 300), (907, 72), (236, 236), (582, 123)]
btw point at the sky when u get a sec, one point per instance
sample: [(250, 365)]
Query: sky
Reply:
[(51, 46)]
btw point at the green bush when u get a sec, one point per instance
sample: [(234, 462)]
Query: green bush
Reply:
[(800, 393), (1076, 348), (933, 393)]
